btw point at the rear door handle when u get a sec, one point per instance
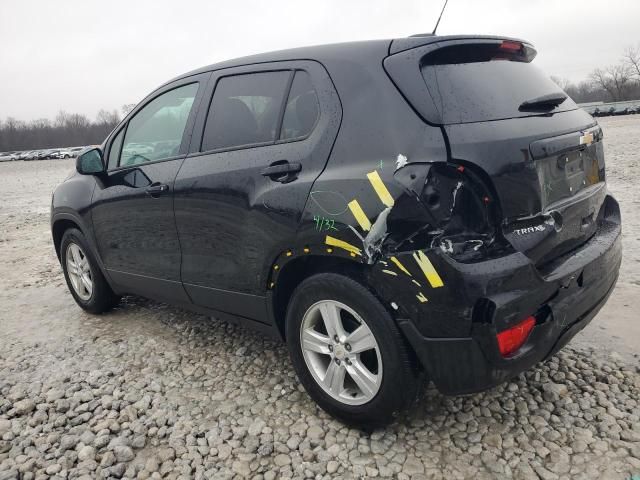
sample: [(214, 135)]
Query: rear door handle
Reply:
[(157, 189), (282, 171)]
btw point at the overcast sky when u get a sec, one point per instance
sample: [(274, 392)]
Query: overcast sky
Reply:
[(84, 55)]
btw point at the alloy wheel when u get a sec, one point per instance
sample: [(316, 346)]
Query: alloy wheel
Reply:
[(79, 271), (341, 352)]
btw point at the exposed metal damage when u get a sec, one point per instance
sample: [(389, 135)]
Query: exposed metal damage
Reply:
[(438, 208)]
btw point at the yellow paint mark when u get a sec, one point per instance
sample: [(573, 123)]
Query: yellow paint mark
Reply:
[(352, 254), (359, 215), (343, 245), (275, 267), (329, 250), (399, 265), (289, 253), (427, 268), (380, 188), (306, 250), (417, 283), (389, 272), (422, 298)]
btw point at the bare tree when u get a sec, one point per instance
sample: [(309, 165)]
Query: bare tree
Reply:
[(61, 119), (13, 124), (68, 129), (40, 123), (632, 59), (106, 117), (614, 79), (601, 79), (621, 76)]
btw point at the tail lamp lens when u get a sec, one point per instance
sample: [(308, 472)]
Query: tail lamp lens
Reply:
[(511, 46), (510, 340)]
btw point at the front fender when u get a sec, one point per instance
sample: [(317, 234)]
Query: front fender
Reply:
[(71, 204)]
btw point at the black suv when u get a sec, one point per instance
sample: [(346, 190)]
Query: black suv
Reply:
[(425, 208)]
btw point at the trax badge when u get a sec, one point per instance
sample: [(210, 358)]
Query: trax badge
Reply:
[(586, 139), (526, 230)]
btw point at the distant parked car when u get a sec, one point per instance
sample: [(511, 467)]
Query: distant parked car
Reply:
[(7, 156), (30, 155), (605, 112), (74, 151), (64, 153)]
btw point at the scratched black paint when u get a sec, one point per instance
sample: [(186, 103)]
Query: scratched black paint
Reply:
[(513, 214)]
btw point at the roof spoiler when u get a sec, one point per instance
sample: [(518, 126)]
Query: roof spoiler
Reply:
[(419, 40)]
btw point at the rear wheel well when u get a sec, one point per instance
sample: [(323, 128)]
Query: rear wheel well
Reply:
[(58, 229), (296, 271)]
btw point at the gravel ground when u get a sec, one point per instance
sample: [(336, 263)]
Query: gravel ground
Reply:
[(149, 391)]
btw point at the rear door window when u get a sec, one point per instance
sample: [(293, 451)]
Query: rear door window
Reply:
[(477, 83), (245, 110), (302, 110)]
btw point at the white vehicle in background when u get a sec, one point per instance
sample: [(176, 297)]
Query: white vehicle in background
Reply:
[(8, 156), (74, 151), (60, 153)]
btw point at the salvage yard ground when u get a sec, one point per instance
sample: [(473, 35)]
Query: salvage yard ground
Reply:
[(150, 391)]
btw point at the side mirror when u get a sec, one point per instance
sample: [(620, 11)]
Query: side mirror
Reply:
[(90, 162)]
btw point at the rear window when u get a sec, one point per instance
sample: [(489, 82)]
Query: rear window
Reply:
[(478, 83)]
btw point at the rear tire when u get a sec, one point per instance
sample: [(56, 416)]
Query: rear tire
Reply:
[(365, 379), (84, 278)]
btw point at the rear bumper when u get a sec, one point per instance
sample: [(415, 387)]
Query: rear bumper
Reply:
[(564, 301)]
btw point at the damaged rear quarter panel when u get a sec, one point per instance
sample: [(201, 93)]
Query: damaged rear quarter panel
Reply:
[(366, 208), (378, 218)]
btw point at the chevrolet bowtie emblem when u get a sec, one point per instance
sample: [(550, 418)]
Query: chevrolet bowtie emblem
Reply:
[(586, 139)]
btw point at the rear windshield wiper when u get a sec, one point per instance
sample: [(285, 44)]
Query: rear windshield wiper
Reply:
[(544, 102)]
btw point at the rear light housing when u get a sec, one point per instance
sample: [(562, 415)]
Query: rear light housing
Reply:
[(511, 46), (511, 339), (448, 206)]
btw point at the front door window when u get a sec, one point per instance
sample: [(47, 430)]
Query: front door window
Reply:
[(156, 131)]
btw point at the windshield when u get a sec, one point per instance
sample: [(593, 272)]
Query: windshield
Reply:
[(486, 87)]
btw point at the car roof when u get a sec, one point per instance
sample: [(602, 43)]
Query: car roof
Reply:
[(300, 53), (345, 50)]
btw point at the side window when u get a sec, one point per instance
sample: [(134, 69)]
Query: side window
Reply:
[(155, 132), (303, 109), (245, 110), (114, 150)]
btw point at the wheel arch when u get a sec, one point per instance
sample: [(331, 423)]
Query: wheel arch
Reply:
[(298, 269), (59, 226)]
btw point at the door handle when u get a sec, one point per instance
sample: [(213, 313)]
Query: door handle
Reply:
[(282, 171), (157, 189)]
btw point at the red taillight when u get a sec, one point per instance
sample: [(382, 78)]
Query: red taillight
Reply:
[(510, 46), (510, 340)]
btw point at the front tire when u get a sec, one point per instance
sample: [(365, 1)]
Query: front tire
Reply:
[(348, 352), (84, 279)]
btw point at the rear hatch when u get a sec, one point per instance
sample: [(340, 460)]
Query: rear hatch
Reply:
[(541, 154)]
